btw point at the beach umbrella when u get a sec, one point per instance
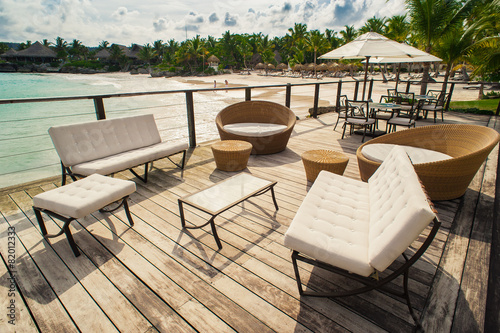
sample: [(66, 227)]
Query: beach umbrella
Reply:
[(260, 66), (298, 67), (322, 67), (372, 44), (399, 61), (270, 66), (282, 66)]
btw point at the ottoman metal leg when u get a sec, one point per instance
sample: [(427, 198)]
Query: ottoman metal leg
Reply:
[(65, 228)]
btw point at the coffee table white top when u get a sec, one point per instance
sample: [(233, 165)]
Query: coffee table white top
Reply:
[(225, 194)]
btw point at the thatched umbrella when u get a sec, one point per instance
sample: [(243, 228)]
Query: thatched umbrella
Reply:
[(298, 67), (270, 66), (322, 67), (282, 66), (310, 67), (260, 66)]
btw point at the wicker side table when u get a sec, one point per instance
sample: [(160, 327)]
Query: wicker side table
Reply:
[(329, 160), (231, 155)]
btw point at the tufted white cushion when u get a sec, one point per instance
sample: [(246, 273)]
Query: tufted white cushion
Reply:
[(379, 151), (361, 226), (332, 223), (128, 159), (399, 209), (89, 141), (84, 196), (254, 129)]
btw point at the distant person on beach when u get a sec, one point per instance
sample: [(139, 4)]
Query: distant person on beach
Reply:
[(215, 84), (226, 84)]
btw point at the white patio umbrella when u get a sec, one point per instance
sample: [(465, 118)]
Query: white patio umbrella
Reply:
[(372, 44), (399, 61)]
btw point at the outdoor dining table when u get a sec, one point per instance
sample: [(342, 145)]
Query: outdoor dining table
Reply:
[(375, 107)]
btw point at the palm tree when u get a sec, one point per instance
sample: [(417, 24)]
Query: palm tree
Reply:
[(103, 45), (24, 46), (46, 43), (484, 54), (76, 48), (348, 34), (147, 53), (60, 46), (316, 42), (331, 37), (374, 24), (159, 48), (397, 28), (246, 51), (265, 48), (432, 20)]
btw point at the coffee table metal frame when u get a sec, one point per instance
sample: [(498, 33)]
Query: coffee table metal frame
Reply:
[(259, 191)]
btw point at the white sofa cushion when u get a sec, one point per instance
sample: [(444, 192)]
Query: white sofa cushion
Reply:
[(84, 196), (128, 159), (399, 210), (332, 223), (90, 141), (379, 151), (254, 129)]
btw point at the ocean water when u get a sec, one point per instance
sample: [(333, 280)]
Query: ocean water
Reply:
[(26, 150)]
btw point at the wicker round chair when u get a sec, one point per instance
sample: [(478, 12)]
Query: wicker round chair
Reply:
[(262, 112), (468, 145)]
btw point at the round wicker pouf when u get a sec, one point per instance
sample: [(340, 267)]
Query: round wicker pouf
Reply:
[(231, 155), (329, 160)]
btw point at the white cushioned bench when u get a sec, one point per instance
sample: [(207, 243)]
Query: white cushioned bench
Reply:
[(359, 227), (78, 199), (112, 145)]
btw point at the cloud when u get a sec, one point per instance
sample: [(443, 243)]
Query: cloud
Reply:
[(213, 18), (160, 24), (230, 20), (122, 13)]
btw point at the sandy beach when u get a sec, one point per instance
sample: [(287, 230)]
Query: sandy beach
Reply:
[(303, 96)]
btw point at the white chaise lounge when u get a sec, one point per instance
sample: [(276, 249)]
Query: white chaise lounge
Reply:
[(109, 146), (358, 229)]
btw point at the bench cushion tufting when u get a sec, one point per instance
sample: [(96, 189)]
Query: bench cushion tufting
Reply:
[(93, 140), (399, 209)]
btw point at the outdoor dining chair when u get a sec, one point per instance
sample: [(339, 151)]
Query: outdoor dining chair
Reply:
[(340, 108), (358, 114), (407, 102), (407, 120), (436, 105), (385, 114)]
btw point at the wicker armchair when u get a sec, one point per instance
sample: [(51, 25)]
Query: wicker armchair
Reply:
[(258, 112), (468, 145)]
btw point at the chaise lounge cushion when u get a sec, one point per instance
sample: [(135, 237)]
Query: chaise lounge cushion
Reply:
[(254, 129), (332, 223), (399, 209), (360, 226)]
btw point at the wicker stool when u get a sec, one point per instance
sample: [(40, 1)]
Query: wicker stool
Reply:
[(329, 160), (231, 155), (78, 199)]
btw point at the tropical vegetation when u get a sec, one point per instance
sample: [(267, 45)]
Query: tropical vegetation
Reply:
[(464, 33)]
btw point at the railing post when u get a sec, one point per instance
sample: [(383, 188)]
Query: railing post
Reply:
[(408, 86), (339, 92), (370, 89), (316, 100), (190, 119), (248, 94), (99, 108), (288, 94), (356, 88)]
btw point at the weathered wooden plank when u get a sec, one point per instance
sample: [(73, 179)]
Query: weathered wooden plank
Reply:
[(471, 304), (47, 311), (16, 316), (86, 314), (438, 315)]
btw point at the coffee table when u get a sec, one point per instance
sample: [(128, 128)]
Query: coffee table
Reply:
[(218, 198)]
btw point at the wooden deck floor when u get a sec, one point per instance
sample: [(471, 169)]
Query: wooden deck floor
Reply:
[(154, 276)]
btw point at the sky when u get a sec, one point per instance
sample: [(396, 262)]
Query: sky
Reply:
[(145, 21)]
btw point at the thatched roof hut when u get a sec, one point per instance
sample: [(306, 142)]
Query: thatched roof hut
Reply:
[(131, 53), (36, 52)]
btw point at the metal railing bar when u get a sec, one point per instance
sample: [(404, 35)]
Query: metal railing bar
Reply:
[(34, 168), (26, 153)]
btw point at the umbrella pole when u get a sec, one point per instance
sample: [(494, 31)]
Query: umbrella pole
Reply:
[(366, 76), (397, 76)]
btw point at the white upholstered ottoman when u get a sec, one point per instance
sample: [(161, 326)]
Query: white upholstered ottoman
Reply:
[(78, 199)]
